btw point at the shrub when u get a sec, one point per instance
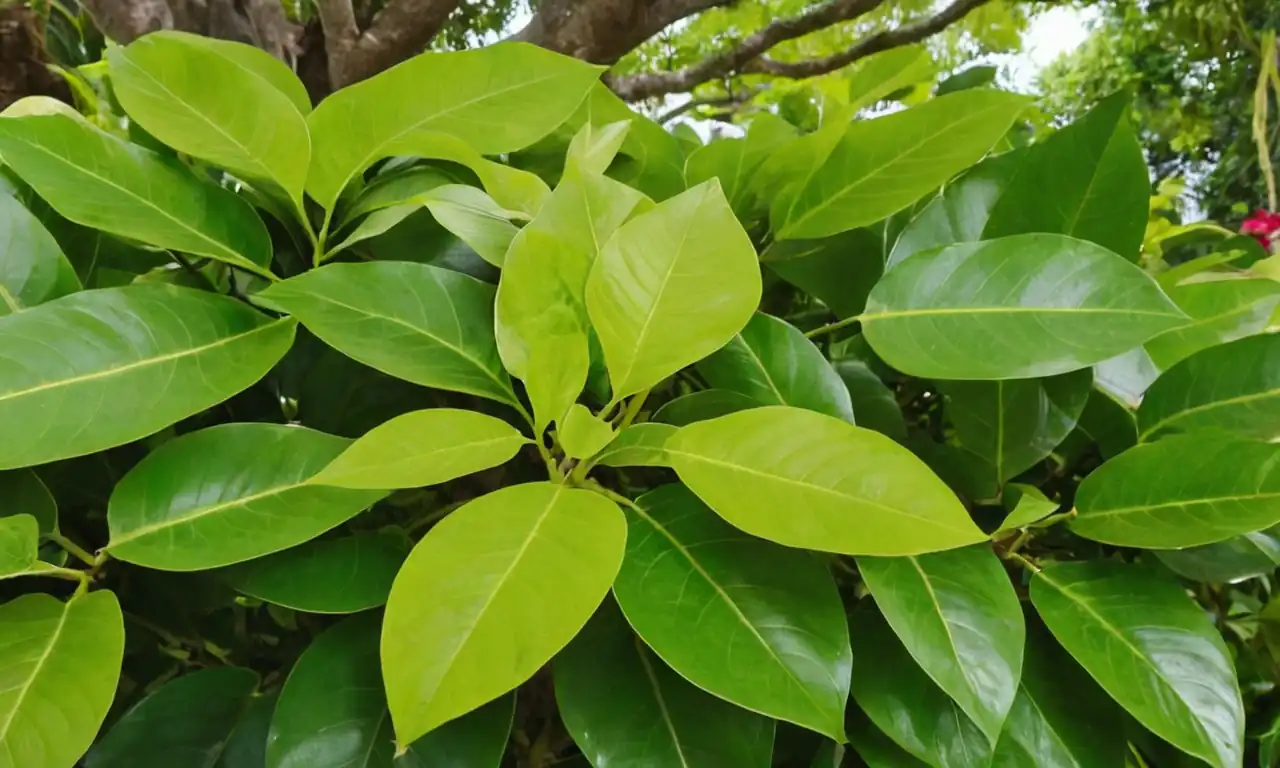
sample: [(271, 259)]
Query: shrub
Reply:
[(473, 341)]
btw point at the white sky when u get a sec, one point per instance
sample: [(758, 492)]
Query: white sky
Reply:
[(1058, 31)]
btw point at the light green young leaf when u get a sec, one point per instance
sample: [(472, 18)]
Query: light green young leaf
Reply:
[(495, 99), (61, 663), (227, 494), (639, 445), (544, 570), (849, 490), (881, 74), (558, 365), (166, 354), (670, 287), (254, 61), (474, 218), (1026, 504), (423, 448), (394, 189), (593, 147), (652, 159), (1019, 307), (1220, 311), (581, 434), (33, 269), (1152, 649), (99, 181)]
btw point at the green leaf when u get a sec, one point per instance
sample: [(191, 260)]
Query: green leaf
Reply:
[(594, 147), (151, 354), (1060, 718), (395, 188), (652, 159), (474, 97), (670, 287), (187, 721), (881, 74), (1026, 504), (474, 218), (333, 714), (751, 622), (22, 492), (247, 745), (583, 435), (1242, 557), (881, 166), (1100, 188), (543, 571), (875, 748), (639, 445), (256, 62), (423, 448), (250, 496), (874, 403), (33, 270), (847, 489), (61, 662), (1182, 491), (337, 575), (700, 406), (971, 77), (196, 99), (424, 324), (771, 362), (959, 618), (627, 709), (19, 540), (556, 371), (1125, 377), (1013, 425), (1015, 308), (1152, 649), (1109, 424), (1220, 311), (839, 271), (99, 181), (1232, 388), (904, 703), (734, 161)]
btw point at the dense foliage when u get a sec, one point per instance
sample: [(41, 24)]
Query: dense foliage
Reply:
[(468, 418)]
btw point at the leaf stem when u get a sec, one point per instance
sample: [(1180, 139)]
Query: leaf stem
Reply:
[(79, 552), (633, 408), (1055, 519), (832, 327), (1022, 561), (610, 495)]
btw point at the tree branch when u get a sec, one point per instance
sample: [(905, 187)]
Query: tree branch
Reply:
[(731, 100), (603, 31), (401, 29)]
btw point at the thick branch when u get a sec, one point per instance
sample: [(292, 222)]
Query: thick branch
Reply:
[(603, 31), (398, 31)]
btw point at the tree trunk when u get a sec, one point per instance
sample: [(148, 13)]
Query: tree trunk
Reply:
[(23, 58)]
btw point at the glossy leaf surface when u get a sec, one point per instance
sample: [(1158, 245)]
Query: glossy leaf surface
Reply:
[(33, 269), (639, 445), (874, 403), (1232, 388), (1220, 311)]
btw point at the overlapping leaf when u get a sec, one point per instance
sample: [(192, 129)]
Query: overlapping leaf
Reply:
[(33, 269), (1232, 388)]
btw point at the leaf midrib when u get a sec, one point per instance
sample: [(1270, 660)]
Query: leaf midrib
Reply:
[(1203, 407), (662, 702), (35, 672), (903, 313), (1085, 516)]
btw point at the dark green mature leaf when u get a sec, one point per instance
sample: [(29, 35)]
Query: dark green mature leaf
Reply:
[(1233, 388), (149, 355), (1242, 557), (874, 403), (1100, 188), (475, 97), (881, 166), (754, 623), (670, 287), (417, 322), (22, 492), (703, 405), (958, 616), (333, 714), (1182, 491), (1220, 311), (61, 663), (839, 270), (1152, 649), (771, 362), (247, 746), (251, 496), (904, 703), (1109, 424), (847, 489), (95, 179), (626, 709), (544, 570), (187, 721), (1013, 425), (639, 445), (33, 270), (875, 748), (1060, 718), (338, 575), (1014, 308)]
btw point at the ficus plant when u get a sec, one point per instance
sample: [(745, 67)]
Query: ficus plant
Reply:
[(469, 418)]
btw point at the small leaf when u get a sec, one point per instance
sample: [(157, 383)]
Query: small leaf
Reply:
[(19, 540), (849, 490), (33, 270), (1232, 388), (1152, 649), (583, 435), (700, 406), (639, 445), (226, 494), (557, 370), (1026, 504), (1220, 311), (625, 708), (544, 570), (423, 448)]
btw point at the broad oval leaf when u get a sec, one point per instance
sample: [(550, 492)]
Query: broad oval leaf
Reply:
[(476, 93), (670, 287), (639, 445), (1232, 388), (847, 489), (1180, 492), (227, 494), (61, 663), (152, 354), (1152, 649), (545, 569), (197, 100), (881, 166), (256, 62), (1242, 557), (187, 721), (424, 324), (753, 623), (773, 363), (337, 575), (1014, 308), (423, 448), (99, 181), (33, 269), (557, 368), (1220, 311), (959, 618), (332, 713)]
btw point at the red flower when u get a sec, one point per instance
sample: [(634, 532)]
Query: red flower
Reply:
[(1263, 225)]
